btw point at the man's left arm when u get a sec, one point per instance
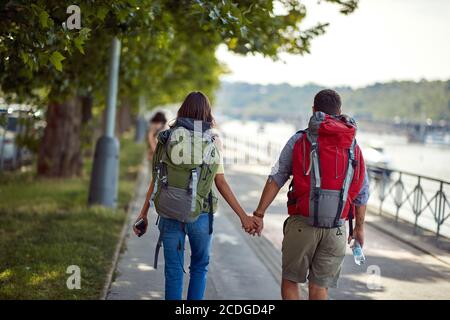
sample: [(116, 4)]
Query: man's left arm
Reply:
[(358, 231)]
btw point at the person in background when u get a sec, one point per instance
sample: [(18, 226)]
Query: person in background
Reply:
[(157, 124)]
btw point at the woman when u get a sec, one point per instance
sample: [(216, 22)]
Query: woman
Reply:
[(156, 125), (196, 107)]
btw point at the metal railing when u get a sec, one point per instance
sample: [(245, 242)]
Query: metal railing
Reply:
[(418, 199), (249, 150)]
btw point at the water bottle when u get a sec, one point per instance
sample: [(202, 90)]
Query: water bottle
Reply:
[(358, 254)]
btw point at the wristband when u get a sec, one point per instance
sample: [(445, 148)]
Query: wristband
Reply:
[(259, 215)]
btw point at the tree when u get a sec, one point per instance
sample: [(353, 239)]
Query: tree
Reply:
[(408, 100), (168, 48)]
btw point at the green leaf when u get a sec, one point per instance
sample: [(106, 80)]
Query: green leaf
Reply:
[(102, 12), (27, 60), (232, 43), (56, 59), (43, 18), (24, 57), (79, 42), (84, 32)]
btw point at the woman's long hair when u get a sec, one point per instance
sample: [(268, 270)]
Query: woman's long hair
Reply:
[(196, 106)]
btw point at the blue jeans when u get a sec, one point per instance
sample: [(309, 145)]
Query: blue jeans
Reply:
[(173, 240)]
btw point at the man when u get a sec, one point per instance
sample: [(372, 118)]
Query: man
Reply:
[(311, 251)]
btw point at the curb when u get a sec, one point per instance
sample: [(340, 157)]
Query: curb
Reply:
[(123, 234), (115, 259), (415, 241)]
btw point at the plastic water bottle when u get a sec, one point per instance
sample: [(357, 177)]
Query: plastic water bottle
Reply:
[(358, 254)]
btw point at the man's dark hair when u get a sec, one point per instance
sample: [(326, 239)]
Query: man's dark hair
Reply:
[(328, 101)]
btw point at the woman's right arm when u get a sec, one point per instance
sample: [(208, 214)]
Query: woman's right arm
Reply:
[(145, 207)]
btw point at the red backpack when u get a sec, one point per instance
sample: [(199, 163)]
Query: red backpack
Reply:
[(328, 171)]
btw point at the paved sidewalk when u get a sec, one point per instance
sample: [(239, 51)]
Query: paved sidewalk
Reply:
[(244, 267)]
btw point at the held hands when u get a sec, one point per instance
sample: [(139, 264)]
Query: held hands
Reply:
[(252, 225), (248, 223)]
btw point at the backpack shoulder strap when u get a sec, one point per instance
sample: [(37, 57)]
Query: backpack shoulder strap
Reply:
[(350, 170), (158, 168), (301, 139), (347, 180), (314, 155)]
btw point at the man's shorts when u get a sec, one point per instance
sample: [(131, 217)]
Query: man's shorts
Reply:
[(312, 253)]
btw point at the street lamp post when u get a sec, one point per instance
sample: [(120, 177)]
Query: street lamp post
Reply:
[(105, 171)]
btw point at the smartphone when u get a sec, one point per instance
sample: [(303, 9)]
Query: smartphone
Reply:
[(140, 225)]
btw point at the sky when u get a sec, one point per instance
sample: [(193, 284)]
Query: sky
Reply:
[(383, 40)]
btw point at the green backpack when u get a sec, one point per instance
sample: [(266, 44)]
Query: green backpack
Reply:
[(184, 166)]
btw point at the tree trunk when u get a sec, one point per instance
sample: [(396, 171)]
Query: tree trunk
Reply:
[(88, 130), (86, 109), (124, 119), (60, 149)]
